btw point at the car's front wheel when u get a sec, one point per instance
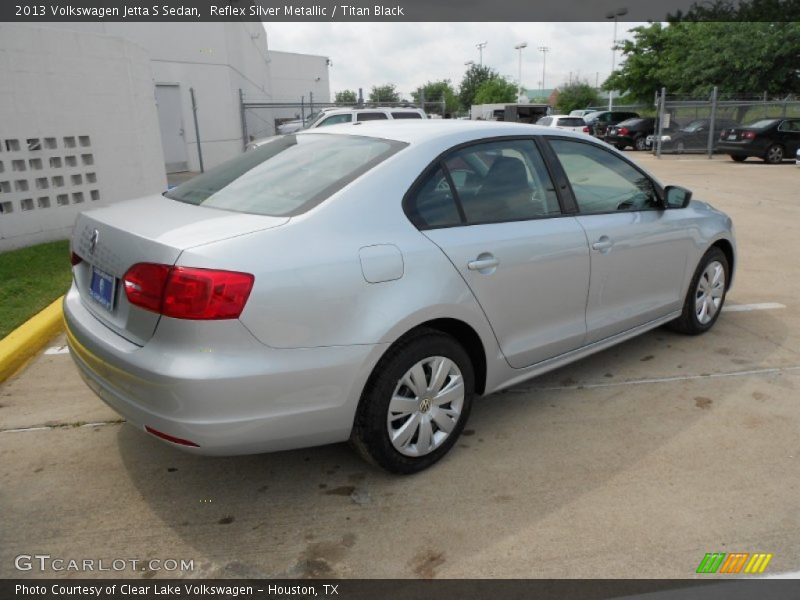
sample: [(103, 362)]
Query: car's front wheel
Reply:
[(415, 404), (706, 294)]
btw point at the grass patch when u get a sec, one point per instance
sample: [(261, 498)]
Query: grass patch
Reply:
[(30, 279)]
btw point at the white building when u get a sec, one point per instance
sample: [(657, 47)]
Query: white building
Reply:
[(297, 77), (127, 88)]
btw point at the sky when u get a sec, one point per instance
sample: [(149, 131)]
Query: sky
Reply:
[(410, 54)]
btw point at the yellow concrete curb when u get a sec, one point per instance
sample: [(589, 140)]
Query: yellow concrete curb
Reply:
[(27, 339)]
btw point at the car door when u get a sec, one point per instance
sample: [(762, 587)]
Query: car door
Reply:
[(638, 250), (493, 210), (789, 136)]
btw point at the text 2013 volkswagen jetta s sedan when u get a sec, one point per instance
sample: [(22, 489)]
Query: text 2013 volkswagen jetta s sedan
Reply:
[(365, 283)]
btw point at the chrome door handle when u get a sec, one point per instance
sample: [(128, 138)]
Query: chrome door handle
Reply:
[(482, 263), (604, 243)]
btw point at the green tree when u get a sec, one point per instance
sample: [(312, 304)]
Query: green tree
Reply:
[(472, 80), (690, 58), (346, 97), (578, 94), (436, 91), (741, 10), (498, 89), (384, 93)]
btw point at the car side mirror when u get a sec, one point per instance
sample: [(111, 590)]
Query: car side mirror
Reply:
[(676, 196)]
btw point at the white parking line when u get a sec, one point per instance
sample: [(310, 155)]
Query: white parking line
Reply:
[(57, 350), (756, 306)]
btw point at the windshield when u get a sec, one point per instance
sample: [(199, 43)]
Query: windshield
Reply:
[(287, 175), (761, 124)]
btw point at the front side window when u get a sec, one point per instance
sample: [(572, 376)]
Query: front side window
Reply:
[(545, 121), (336, 120), (601, 181), (287, 175)]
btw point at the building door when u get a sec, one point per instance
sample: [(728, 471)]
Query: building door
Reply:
[(170, 121)]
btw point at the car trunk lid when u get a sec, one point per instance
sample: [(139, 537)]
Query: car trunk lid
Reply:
[(152, 229)]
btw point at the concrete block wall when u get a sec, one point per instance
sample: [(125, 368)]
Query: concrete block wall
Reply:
[(78, 128)]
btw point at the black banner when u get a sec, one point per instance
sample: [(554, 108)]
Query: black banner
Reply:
[(395, 10), (397, 589)]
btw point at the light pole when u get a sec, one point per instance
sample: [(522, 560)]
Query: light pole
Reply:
[(544, 50), (613, 15), (519, 47), (480, 48)]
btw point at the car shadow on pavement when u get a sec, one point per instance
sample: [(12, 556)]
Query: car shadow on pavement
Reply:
[(525, 454)]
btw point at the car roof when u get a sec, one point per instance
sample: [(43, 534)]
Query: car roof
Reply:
[(419, 131)]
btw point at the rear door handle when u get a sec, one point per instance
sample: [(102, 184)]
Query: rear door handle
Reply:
[(604, 243), (483, 262)]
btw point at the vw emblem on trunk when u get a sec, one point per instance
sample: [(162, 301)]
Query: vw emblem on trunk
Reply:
[(93, 241)]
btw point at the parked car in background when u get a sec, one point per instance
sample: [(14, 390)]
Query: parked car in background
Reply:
[(581, 112), (366, 283), (769, 139), (598, 122), (338, 116), (691, 137), (631, 132), (563, 122), (298, 124), (797, 157)]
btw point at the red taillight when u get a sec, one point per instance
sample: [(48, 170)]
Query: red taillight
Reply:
[(586, 130), (622, 131), (74, 259), (748, 135), (188, 293), (144, 285)]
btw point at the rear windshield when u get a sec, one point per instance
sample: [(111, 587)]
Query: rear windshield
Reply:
[(287, 175), (761, 124), (406, 115)]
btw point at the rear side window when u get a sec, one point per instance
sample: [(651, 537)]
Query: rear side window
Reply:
[(572, 122), (371, 116), (406, 115), (287, 175), (490, 182), (793, 126)]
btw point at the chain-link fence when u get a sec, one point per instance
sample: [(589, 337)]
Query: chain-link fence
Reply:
[(687, 125)]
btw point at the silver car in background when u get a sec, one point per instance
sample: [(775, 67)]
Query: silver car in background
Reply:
[(366, 282)]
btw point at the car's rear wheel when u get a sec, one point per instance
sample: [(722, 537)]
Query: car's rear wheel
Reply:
[(706, 294), (415, 404), (640, 143), (774, 154), (738, 157)]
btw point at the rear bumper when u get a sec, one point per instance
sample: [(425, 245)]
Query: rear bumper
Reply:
[(220, 388), (741, 149)]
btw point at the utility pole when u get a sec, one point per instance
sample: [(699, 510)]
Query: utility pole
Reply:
[(544, 50), (519, 47), (480, 48), (620, 12)]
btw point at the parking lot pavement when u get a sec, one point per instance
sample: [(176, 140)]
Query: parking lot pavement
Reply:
[(632, 463)]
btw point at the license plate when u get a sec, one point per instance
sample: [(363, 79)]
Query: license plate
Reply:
[(612, 132), (102, 287), (732, 136)]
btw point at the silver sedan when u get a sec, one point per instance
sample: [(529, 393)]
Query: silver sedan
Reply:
[(366, 283)]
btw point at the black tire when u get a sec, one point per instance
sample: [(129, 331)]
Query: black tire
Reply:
[(738, 158), (774, 154), (688, 322), (620, 146), (640, 143), (370, 436)]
